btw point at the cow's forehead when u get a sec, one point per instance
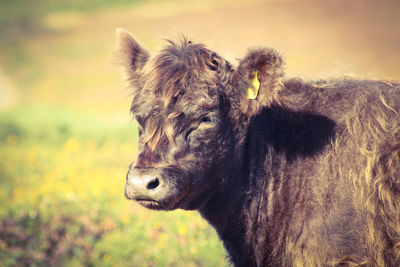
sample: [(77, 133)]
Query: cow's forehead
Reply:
[(177, 72), (177, 65)]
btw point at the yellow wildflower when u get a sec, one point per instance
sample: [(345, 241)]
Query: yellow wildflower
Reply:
[(106, 257), (71, 145), (182, 230)]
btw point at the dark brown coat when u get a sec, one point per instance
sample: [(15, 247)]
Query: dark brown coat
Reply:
[(306, 174)]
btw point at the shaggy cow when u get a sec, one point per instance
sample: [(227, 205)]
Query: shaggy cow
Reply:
[(289, 172)]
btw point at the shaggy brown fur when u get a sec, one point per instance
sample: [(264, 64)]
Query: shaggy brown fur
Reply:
[(307, 174)]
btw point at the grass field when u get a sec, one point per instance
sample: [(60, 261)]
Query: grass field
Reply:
[(62, 176), (62, 199), (67, 138)]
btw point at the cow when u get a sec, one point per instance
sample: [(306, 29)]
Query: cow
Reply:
[(290, 172)]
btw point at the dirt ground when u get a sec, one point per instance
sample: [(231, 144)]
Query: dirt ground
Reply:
[(318, 38)]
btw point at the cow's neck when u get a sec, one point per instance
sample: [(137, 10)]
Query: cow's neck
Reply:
[(225, 213), (234, 210)]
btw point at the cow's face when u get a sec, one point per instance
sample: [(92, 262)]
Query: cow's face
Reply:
[(188, 103)]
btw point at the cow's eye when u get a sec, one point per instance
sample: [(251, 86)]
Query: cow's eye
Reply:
[(213, 65), (206, 119)]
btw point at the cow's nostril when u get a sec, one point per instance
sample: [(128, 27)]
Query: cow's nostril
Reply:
[(153, 184)]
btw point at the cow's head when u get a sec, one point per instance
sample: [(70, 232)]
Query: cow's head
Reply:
[(190, 104)]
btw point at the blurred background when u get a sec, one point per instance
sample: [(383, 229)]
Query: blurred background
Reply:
[(67, 138)]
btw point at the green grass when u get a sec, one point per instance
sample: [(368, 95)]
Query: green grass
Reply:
[(49, 125)]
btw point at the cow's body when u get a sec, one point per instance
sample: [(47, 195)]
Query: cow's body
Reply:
[(306, 174), (311, 180)]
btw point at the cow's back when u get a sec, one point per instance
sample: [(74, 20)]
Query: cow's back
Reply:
[(351, 185)]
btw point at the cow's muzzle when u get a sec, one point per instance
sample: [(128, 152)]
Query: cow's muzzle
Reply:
[(152, 188)]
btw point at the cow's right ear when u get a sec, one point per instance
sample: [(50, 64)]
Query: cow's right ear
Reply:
[(257, 80), (130, 54)]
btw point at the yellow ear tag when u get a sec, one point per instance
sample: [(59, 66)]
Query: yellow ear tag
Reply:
[(253, 91)]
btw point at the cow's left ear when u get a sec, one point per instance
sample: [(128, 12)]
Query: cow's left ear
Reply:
[(258, 80), (131, 55)]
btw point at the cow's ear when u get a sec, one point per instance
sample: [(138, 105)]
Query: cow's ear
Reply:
[(258, 80), (130, 54)]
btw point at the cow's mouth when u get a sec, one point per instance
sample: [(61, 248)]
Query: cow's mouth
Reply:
[(151, 204), (159, 204)]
